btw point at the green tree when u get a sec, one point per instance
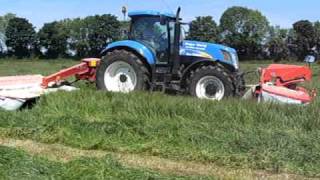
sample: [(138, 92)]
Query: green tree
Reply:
[(203, 29), (124, 29), (4, 20), (88, 36), (20, 37), (52, 38), (277, 45), (305, 38), (102, 29), (317, 31), (73, 28), (245, 30), (2, 44)]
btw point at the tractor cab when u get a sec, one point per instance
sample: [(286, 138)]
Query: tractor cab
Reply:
[(156, 31)]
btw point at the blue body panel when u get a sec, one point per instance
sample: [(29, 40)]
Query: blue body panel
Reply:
[(208, 50), (151, 13), (138, 47), (188, 48)]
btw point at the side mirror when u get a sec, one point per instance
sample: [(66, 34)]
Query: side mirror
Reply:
[(163, 20), (310, 59)]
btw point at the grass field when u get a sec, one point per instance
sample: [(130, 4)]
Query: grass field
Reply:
[(16, 164), (232, 134)]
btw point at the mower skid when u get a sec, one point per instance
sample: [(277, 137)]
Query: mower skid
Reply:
[(11, 104), (283, 95)]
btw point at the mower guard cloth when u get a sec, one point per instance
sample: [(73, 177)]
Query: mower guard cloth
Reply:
[(283, 95), (11, 104), (17, 90)]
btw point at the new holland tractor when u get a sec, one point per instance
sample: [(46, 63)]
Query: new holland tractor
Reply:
[(156, 57)]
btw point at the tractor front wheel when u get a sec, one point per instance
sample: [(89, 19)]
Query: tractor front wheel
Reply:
[(122, 71), (210, 82)]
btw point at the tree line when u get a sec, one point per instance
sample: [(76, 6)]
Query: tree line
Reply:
[(80, 37), (246, 30), (250, 33)]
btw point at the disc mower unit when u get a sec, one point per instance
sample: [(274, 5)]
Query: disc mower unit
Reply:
[(279, 83)]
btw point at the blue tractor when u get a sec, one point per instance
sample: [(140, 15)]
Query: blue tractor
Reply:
[(156, 57)]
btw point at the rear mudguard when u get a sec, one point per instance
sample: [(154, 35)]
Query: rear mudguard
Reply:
[(133, 45)]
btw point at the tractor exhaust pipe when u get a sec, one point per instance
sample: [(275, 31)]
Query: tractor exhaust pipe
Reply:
[(176, 49)]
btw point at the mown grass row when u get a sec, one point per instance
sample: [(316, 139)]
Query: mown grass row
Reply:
[(232, 133), (16, 164)]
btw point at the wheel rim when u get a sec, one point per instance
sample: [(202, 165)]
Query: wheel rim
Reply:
[(210, 87), (120, 77)]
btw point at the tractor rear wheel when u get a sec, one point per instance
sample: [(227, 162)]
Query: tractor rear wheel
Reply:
[(122, 71), (210, 82)]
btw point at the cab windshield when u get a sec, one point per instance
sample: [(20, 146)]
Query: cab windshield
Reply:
[(158, 37), (149, 31)]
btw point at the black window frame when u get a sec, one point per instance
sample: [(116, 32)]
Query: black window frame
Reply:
[(169, 39)]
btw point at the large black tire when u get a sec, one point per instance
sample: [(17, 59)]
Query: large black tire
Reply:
[(213, 72), (141, 71), (240, 86)]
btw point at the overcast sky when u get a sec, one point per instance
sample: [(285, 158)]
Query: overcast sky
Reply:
[(279, 12)]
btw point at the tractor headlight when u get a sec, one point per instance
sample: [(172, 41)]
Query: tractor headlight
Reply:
[(235, 60), (232, 57), (226, 56)]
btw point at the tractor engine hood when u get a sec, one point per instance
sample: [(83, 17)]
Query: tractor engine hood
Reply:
[(216, 52)]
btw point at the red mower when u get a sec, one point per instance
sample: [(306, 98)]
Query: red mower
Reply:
[(279, 83)]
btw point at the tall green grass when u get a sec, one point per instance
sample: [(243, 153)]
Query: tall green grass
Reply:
[(232, 133)]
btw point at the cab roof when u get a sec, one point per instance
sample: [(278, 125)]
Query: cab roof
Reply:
[(150, 13)]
